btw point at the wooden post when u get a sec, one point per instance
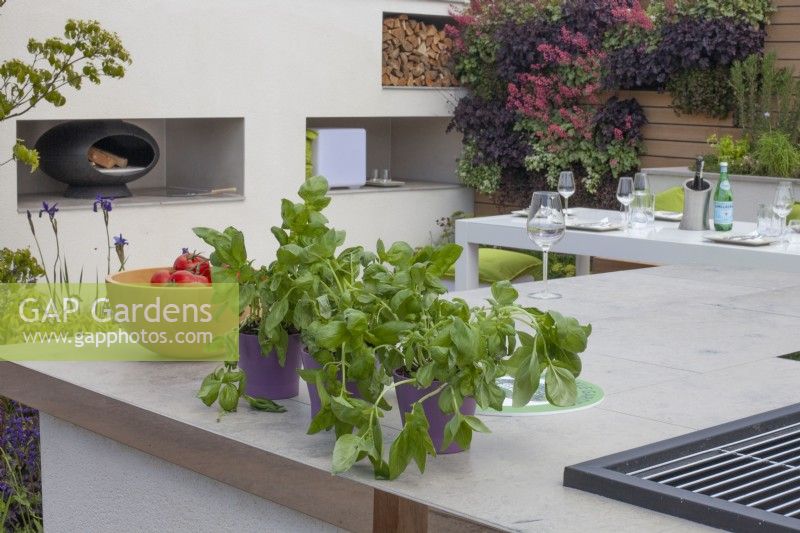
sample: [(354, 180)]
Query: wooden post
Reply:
[(392, 513)]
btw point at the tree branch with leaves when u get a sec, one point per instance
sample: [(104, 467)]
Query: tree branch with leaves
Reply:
[(86, 52)]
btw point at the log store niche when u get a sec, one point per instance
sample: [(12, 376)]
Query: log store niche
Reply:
[(416, 51), (97, 157)]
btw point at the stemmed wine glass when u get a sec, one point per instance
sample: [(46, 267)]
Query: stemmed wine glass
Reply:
[(546, 227), (566, 188), (625, 196), (783, 203)]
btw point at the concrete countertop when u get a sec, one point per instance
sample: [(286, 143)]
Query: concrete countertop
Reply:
[(674, 348)]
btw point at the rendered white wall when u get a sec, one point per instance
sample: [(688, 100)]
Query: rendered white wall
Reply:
[(91, 483), (273, 62)]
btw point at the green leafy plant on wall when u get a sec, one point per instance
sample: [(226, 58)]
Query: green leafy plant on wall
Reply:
[(767, 97), (767, 108), (86, 53), (757, 12), (706, 92)]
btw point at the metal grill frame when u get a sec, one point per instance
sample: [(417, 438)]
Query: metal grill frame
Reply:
[(611, 477)]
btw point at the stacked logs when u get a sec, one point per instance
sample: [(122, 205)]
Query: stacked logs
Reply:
[(415, 54)]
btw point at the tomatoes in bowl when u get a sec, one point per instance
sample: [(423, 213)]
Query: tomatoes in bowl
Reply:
[(188, 261), (182, 277)]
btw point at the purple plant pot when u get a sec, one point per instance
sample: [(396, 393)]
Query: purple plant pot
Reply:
[(408, 394), (266, 378), (309, 363)]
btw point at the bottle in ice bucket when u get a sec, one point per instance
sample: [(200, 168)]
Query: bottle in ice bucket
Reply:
[(723, 201)]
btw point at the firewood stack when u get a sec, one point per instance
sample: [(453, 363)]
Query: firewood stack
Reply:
[(415, 54)]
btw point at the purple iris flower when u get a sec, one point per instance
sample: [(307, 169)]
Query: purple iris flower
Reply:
[(120, 240), (103, 202), (51, 210)]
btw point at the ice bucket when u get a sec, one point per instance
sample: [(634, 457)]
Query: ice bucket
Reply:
[(696, 207)]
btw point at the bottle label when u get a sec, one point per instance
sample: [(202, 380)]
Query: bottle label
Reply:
[(723, 212), (725, 185)]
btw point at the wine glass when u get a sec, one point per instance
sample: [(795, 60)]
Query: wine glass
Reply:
[(783, 203), (625, 195), (641, 185), (566, 188), (546, 227)]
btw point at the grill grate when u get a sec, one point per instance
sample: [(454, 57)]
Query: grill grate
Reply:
[(740, 476), (762, 471)]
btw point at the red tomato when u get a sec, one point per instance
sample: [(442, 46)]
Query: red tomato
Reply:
[(188, 261), (204, 269), (182, 277), (202, 279), (160, 277)]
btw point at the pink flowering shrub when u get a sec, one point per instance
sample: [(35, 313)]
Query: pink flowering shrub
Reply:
[(544, 60)]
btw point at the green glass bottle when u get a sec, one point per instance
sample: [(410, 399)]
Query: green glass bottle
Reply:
[(723, 201)]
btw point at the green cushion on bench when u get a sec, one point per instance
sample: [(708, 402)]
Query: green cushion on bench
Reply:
[(498, 265), (310, 136), (795, 213), (670, 200)]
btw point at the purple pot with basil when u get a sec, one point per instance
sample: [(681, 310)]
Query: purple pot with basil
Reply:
[(266, 377)]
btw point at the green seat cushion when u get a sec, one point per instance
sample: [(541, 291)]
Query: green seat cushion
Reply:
[(670, 200), (795, 213), (498, 265), (310, 136)]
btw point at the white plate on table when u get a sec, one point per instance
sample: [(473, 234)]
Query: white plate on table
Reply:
[(670, 216), (524, 212), (741, 239), (593, 225)]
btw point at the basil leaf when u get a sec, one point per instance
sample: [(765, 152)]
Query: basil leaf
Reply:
[(476, 424), (228, 397), (560, 386), (504, 293), (262, 404), (571, 335), (345, 452)]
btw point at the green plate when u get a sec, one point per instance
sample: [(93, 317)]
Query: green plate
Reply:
[(589, 395)]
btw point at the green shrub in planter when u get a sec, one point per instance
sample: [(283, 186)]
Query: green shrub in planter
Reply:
[(777, 155)]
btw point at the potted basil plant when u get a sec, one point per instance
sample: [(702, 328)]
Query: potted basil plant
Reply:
[(267, 373), (309, 281)]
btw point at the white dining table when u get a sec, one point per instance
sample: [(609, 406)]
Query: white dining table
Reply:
[(661, 244)]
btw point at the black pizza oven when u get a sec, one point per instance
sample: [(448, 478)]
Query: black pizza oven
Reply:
[(97, 156)]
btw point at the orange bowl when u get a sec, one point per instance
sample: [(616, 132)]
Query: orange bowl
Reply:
[(137, 276), (194, 327)]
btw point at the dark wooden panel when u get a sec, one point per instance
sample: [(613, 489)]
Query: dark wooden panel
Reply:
[(391, 513), (648, 98), (649, 161), (787, 15), (786, 50), (692, 133), (676, 148), (782, 32), (602, 266), (792, 64), (663, 115)]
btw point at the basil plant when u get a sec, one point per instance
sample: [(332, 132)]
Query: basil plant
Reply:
[(374, 321)]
